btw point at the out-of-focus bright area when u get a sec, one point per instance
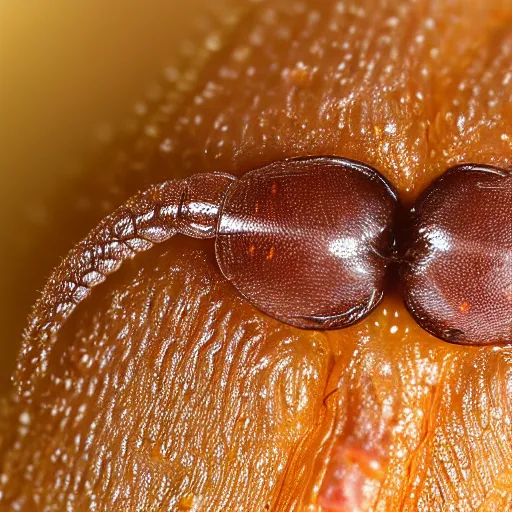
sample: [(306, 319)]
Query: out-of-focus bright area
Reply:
[(66, 69)]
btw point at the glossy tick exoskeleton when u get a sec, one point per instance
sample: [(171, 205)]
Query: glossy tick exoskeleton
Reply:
[(457, 272), (308, 241), (305, 240)]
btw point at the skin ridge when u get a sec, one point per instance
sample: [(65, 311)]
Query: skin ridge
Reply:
[(188, 269)]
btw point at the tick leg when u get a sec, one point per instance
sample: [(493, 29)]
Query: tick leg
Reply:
[(190, 206)]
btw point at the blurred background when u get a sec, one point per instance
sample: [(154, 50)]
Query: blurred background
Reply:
[(69, 72)]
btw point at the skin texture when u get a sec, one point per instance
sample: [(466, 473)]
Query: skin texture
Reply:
[(169, 391), (458, 265)]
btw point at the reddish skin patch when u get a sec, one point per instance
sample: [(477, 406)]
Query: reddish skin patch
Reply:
[(349, 472)]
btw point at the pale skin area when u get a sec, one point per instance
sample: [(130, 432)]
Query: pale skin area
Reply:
[(135, 415)]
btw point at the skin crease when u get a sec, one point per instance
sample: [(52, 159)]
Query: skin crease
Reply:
[(169, 391)]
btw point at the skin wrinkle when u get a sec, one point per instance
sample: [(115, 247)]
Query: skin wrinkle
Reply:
[(138, 407)]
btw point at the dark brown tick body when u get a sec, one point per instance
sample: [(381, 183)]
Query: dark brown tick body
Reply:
[(458, 270), (306, 240)]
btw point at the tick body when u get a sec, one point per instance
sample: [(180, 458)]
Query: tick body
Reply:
[(457, 272), (305, 240), (308, 241)]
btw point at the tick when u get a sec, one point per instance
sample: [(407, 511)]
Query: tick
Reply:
[(457, 272), (307, 241)]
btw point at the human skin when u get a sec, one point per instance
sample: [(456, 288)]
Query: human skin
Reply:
[(169, 391)]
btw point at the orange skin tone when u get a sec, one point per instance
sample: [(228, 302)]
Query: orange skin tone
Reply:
[(169, 390)]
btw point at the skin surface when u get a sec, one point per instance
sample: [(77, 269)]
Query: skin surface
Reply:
[(169, 391)]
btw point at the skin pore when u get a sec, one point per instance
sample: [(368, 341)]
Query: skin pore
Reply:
[(167, 390)]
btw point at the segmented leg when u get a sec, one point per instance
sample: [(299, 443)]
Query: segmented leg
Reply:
[(190, 206)]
